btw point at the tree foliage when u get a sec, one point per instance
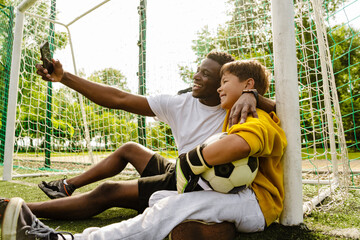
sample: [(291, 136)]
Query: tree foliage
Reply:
[(345, 50), (111, 77), (248, 35)]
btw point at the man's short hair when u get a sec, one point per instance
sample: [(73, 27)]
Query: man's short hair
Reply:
[(220, 57), (246, 69)]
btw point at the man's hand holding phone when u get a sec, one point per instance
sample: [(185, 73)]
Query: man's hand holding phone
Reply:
[(46, 57), (50, 70)]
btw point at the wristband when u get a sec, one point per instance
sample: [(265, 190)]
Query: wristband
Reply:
[(253, 91), (196, 160)]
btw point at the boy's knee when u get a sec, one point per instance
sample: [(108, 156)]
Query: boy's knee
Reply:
[(157, 196)]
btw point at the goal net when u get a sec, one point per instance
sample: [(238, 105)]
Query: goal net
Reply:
[(136, 47), (327, 79)]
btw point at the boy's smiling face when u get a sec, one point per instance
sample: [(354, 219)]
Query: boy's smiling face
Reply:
[(231, 89)]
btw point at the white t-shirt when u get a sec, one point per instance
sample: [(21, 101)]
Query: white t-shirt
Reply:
[(191, 122)]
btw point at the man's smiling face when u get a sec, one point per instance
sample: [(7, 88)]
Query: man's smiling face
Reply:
[(206, 82)]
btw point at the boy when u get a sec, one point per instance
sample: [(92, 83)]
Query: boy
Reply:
[(260, 137), (249, 211)]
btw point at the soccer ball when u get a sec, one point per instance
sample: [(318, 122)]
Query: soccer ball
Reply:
[(230, 177)]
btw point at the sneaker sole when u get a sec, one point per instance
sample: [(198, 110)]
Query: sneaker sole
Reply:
[(10, 220), (51, 193), (200, 230)]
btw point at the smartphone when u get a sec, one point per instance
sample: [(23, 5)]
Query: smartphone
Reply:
[(46, 57)]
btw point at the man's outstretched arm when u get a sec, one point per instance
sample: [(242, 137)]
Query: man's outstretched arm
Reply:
[(101, 94)]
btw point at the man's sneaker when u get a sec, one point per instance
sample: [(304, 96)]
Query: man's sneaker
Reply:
[(57, 189), (200, 230), (18, 223)]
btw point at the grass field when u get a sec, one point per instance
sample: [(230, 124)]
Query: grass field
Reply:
[(339, 220)]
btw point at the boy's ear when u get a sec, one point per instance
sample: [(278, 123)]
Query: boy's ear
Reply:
[(250, 83)]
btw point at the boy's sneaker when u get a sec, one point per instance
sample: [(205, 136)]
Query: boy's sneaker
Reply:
[(200, 230), (57, 189), (18, 223)]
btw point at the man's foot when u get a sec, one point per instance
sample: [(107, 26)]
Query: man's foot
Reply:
[(57, 189), (18, 223), (199, 230)]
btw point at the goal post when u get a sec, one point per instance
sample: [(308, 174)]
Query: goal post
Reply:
[(13, 88), (287, 106)]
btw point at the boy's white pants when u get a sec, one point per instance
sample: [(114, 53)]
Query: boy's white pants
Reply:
[(168, 209)]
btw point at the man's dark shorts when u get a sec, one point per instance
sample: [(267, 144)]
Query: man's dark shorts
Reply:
[(159, 174)]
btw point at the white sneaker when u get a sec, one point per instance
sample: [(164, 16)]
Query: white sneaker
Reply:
[(19, 223)]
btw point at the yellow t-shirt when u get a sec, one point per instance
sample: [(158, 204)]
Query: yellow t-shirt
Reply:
[(267, 142)]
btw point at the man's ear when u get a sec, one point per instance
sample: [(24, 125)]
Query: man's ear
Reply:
[(250, 83)]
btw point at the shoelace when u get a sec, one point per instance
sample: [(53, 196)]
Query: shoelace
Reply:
[(40, 230)]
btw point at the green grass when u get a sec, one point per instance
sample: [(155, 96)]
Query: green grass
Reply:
[(61, 154), (318, 225)]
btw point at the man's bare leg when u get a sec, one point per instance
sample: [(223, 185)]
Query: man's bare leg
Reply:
[(106, 195), (130, 152)]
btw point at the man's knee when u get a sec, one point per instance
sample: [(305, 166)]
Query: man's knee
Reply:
[(105, 189), (130, 150), (128, 147), (136, 154), (116, 194), (112, 189)]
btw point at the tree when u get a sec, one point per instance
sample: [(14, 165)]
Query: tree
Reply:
[(160, 137), (248, 35), (344, 44), (243, 36), (248, 32), (105, 125), (111, 77), (32, 90), (6, 26)]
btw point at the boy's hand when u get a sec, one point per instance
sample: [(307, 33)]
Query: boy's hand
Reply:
[(56, 76), (242, 108), (188, 168), (186, 180)]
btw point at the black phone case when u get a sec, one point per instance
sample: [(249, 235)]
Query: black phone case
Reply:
[(46, 57)]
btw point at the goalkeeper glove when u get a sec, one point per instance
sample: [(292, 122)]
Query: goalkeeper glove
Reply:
[(188, 168)]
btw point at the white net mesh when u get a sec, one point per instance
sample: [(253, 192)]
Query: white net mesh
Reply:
[(57, 128)]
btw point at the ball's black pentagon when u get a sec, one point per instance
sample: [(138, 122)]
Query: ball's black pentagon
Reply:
[(224, 170), (237, 189), (253, 163)]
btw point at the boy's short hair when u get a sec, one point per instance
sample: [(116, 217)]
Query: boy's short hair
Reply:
[(220, 57), (245, 69)]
